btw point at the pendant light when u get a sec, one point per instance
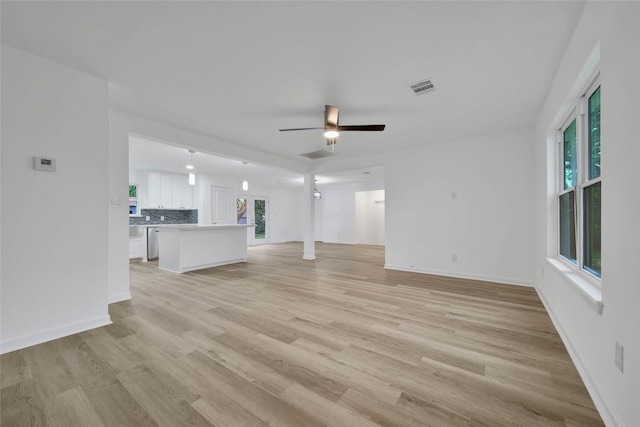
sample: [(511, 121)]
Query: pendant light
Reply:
[(245, 183), (192, 176)]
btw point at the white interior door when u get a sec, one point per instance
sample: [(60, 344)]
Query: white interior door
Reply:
[(222, 208)]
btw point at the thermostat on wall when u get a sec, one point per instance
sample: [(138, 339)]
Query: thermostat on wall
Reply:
[(44, 164)]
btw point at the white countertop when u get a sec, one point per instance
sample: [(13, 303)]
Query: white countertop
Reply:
[(163, 225), (199, 227)]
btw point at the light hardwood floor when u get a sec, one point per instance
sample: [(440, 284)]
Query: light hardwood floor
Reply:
[(279, 341)]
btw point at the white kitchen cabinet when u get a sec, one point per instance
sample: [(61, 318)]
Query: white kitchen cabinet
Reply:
[(176, 191), (166, 180), (188, 247), (169, 191), (155, 190), (137, 241), (136, 248), (187, 194)]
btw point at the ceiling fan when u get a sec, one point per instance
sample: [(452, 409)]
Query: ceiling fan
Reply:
[(332, 128)]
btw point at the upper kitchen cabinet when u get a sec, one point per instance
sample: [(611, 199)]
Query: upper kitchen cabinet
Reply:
[(181, 192), (155, 190), (169, 191)]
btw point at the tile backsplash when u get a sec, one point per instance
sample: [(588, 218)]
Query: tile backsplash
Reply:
[(171, 216)]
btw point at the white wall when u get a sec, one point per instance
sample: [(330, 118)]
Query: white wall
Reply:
[(611, 30), (337, 214), (336, 218), (472, 198), (54, 225), (285, 219), (285, 215), (118, 279)]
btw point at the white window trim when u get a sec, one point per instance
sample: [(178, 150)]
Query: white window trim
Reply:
[(587, 285), (138, 206)]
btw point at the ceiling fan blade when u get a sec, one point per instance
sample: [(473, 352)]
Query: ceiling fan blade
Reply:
[(286, 130), (331, 116), (375, 128)]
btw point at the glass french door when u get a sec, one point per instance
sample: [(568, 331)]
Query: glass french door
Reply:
[(254, 211), (260, 217)]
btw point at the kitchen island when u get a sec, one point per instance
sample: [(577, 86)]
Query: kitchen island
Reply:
[(188, 247)]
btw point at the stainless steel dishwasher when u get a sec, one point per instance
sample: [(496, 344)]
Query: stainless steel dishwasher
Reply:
[(152, 243)]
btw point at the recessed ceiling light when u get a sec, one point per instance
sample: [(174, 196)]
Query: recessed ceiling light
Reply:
[(189, 166)]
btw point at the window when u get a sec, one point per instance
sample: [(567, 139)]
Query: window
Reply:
[(579, 186), (133, 199)]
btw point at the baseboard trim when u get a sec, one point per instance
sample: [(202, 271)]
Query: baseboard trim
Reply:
[(203, 266), (120, 297), (53, 334), (502, 280), (601, 404)]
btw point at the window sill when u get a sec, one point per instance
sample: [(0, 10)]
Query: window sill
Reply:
[(586, 288)]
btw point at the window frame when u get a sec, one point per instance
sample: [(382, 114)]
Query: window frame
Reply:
[(138, 208), (580, 113)]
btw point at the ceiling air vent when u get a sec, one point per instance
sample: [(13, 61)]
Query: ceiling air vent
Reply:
[(318, 154), (422, 87)]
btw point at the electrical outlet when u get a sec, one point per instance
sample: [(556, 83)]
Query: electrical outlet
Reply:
[(162, 218), (148, 218), (619, 356), (454, 257)]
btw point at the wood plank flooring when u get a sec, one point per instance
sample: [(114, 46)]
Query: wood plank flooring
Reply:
[(279, 341)]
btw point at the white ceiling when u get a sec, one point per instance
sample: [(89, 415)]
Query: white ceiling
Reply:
[(239, 71), (146, 154)]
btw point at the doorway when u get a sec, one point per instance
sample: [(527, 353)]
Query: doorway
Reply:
[(220, 205), (370, 217), (260, 217), (254, 211)]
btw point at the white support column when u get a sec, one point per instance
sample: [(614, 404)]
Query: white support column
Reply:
[(308, 220)]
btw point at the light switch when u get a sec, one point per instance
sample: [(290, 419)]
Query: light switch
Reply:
[(44, 164)]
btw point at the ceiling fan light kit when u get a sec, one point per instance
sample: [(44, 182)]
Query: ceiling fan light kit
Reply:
[(316, 193), (332, 128)]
